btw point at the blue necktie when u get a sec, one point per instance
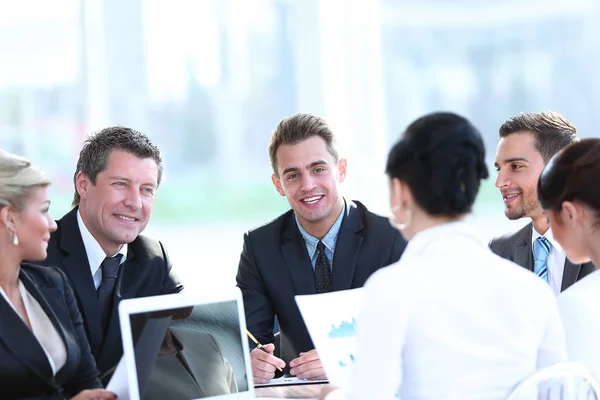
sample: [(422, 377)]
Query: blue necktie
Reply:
[(541, 248)]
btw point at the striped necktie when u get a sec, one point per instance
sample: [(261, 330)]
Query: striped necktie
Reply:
[(541, 248)]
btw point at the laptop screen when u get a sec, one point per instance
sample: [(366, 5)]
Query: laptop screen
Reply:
[(188, 351)]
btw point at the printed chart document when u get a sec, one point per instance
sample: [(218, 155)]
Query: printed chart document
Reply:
[(331, 322)]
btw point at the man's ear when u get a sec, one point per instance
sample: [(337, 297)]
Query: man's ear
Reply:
[(277, 184), (342, 166), (82, 184)]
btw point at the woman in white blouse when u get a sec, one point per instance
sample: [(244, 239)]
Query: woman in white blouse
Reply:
[(44, 353), (569, 193), (450, 320)]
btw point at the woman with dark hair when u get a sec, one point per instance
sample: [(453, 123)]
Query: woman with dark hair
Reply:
[(450, 320), (569, 192)]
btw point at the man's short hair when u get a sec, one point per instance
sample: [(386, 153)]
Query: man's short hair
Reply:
[(296, 128), (93, 157), (552, 131)]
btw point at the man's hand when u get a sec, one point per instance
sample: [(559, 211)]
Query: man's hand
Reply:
[(95, 394), (264, 363), (308, 366)]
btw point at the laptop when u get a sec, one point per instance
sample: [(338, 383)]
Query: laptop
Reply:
[(186, 346)]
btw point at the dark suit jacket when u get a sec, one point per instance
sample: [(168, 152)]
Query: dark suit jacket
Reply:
[(212, 374), (146, 272), (25, 371), (517, 247), (275, 266)]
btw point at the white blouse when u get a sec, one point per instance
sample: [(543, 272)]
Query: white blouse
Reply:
[(578, 307), (42, 328), (451, 320)]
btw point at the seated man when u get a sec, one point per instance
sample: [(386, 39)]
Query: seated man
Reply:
[(98, 244), (324, 243), (527, 143)]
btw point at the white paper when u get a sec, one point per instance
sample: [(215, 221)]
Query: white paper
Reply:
[(118, 383), (289, 380), (331, 320)]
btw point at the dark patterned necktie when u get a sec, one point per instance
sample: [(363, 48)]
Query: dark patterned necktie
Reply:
[(322, 270), (110, 270)]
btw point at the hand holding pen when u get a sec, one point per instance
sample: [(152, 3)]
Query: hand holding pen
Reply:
[(263, 361)]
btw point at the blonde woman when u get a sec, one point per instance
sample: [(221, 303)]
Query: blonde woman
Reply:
[(44, 352)]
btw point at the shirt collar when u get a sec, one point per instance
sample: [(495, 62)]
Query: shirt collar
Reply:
[(329, 240), (548, 235), (93, 249), (450, 230)]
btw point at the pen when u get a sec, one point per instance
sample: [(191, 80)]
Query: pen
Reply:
[(258, 345)]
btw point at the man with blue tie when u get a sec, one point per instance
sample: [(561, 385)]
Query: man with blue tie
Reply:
[(527, 142)]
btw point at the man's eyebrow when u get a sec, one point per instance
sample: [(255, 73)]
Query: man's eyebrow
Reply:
[(309, 166), (314, 164), (122, 178), (119, 178), (293, 169), (513, 159)]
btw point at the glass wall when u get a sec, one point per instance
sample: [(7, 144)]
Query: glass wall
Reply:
[(208, 80)]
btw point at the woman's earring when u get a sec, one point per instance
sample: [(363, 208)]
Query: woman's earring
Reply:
[(15, 238), (396, 224)]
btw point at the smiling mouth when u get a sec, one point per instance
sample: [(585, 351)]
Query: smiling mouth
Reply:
[(125, 218), (312, 200)]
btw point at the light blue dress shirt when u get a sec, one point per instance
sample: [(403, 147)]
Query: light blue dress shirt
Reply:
[(329, 240)]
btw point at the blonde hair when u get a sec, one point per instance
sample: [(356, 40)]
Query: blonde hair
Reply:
[(17, 177)]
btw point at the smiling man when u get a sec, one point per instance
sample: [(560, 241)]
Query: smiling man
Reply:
[(98, 243), (324, 243), (527, 142)]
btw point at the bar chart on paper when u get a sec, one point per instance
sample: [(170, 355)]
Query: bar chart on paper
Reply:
[(331, 319)]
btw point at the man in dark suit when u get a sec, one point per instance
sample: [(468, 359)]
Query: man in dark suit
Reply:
[(527, 142), (98, 243), (324, 243)]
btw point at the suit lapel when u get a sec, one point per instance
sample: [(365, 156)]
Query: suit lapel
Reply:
[(50, 299), (347, 248), (77, 268), (523, 254), (297, 259), (17, 336), (570, 274)]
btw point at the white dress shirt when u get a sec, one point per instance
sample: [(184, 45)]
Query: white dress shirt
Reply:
[(42, 328), (555, 262), (451, 320), (578, 307), (94, 252)]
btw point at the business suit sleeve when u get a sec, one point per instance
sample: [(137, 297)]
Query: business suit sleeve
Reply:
[(171, 283), (86, 375), (257, 304)]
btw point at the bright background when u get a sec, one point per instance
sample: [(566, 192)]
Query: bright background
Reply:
[(208, 80)]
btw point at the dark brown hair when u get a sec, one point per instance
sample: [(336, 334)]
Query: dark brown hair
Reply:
[(572, 175), (93, 157), (297, 128), (442, 159), (552, 131)]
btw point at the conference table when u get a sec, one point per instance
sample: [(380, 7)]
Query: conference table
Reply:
[(308, 391)]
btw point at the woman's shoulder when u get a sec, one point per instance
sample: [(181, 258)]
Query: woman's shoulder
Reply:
[(44, 275), (585, 291)]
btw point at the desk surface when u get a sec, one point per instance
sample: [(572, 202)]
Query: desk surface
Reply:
[(291, 391)]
